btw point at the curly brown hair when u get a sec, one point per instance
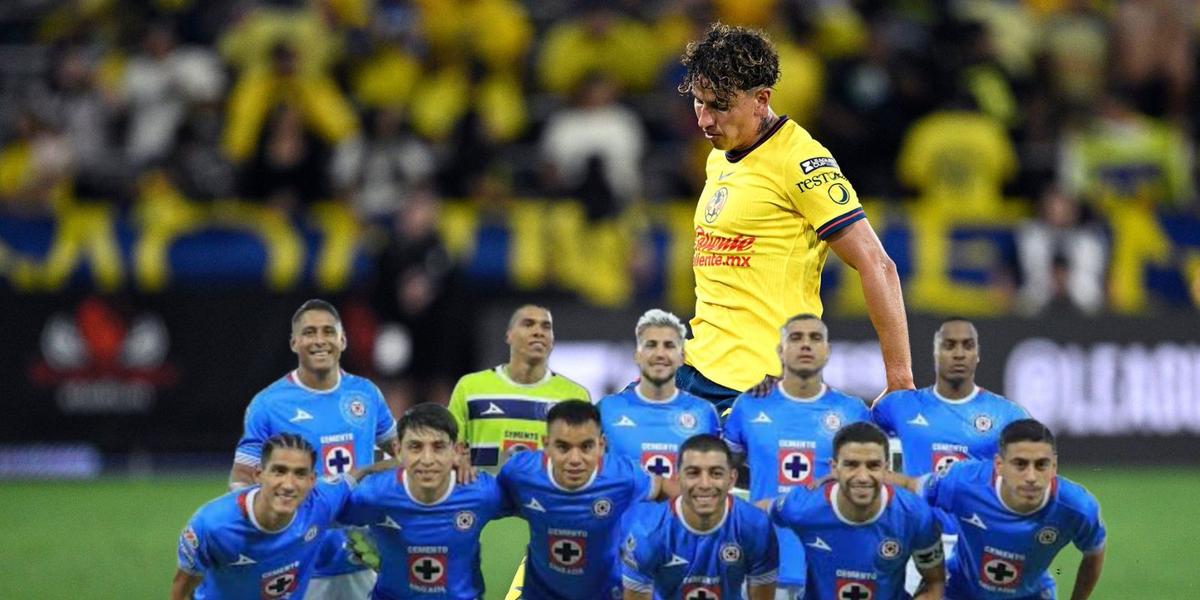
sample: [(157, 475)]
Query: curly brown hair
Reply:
[(728, 60)]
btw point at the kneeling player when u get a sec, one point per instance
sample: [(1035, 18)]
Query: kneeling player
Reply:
[(1015, 514), (705, 543), (859, 533), (262, 541), (425, 525)]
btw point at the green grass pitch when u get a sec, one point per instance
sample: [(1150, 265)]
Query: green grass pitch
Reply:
[(115, 538)]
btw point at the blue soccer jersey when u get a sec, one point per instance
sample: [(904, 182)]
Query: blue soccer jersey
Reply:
[(859, 560), (343, 424), (788, 442), (1004, 554), (935, 431), (663, 554), (573, 534), (224, 544), (427, 550), (651, 431)]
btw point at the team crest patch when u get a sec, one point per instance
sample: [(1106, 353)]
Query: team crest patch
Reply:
[(731, 553), (280, 583), (853, 588), (427, 572), (338, 458), (189, 536), (464, 520), (659, 463), (715, 205), (602, 507), (1047, 535), (568, 554), (687, 421), (832, 421), (983, 423), (701, 592), (999, 571), (353, 408), (889, 549), (311, 533), (795, 466)]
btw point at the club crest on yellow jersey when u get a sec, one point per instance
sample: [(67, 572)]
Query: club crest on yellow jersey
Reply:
[(715, 204)]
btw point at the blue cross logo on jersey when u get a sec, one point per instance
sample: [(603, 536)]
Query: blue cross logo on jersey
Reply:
[(795, 466), (659, 463), (338, 458)]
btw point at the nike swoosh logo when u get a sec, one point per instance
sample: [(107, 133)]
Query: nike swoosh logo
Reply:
[(722, 176)]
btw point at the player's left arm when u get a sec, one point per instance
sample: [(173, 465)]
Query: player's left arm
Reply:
[(385, 425), (928, 555), (184, 585), (1088, 574), (763, 573), (1090, 540), (663, 489), (933, 583), (859, 247)]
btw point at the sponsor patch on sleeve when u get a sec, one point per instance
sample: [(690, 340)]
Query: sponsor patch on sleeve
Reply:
[(821, 162)]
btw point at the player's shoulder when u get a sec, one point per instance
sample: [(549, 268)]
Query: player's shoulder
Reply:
[(280, 387), (899, 398), (1074, 496), (567, 388), (689, 401), (846, 401), (747, 514), (484, 483), (378, 482), (359, 383), (614, 400), (476, 379), (994, 398), (621, 466), (524, 463), (908, 502), (648, 519), (214, 514)]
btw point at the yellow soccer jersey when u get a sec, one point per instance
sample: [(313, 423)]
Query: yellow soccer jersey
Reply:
[(498, 416), (761, 226)]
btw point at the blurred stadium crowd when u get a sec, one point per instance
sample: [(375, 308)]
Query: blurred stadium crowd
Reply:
[(1067, 125)]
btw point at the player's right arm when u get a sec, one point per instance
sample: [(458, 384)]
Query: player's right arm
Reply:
[(734, 433), (640, 559), (458, 409), (859, 247), (184, 585), (256, 428), (1088, 575)]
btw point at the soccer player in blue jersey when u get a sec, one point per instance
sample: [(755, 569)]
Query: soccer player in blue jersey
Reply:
[(262, 541), (706, 543), (786, 437), (1015, 514), (573, 498), (954, 419), (650, 419), (859, 532), (426, 525), (343, 416)]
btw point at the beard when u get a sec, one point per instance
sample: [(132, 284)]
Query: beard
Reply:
[(657, 381)]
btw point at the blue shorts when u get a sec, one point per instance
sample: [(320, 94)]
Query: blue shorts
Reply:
[(688, 379)]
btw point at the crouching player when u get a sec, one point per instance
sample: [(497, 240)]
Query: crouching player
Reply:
[(262, 540), (1015, 514), (425, 525), (705, 543), (858, 532)]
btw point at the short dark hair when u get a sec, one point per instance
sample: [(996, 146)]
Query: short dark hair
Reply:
[(705, 442), (1026, 430), (315, 304), (728, 60), (287, 440), (512, 319), (802, 317), (573, 412), (860, 432), (428, 415)]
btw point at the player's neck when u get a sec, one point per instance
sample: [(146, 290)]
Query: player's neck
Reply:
[(798, 386), (955, 390), (852, 512), (266, 518), (656, 392), (525, 373), (765, 126), (433, 494), (319, 380), (702, 523)]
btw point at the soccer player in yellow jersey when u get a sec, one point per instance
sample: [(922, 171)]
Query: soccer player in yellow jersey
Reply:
[(774, 203)]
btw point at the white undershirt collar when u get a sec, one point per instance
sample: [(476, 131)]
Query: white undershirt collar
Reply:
[(250, 496), (963, 400), (884, 494), (502, 371), (1000, 497), (296, 380), (824, 388), (638, 391), (683, 519), (554, 482), (449, 489)]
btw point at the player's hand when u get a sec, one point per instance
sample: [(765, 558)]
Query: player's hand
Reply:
[(361, 549), (763, 387), (466, 471)]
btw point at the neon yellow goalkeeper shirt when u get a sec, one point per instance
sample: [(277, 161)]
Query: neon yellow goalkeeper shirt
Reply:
[(497, 416)]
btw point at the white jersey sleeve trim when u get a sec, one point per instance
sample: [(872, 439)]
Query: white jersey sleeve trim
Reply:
[(1098, 548), (635, 585), (388, 435), (243, 458), (763, 578), (734, 447)]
